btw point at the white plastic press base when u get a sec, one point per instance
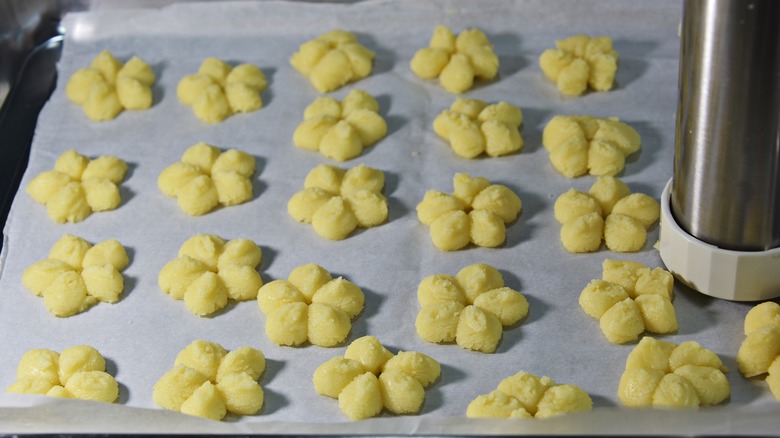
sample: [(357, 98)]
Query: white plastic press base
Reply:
[(713, 271)]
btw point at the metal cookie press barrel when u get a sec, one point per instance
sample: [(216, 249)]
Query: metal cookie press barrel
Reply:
[(720, 224)]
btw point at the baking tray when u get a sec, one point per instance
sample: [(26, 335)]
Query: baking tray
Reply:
[(415, 160)]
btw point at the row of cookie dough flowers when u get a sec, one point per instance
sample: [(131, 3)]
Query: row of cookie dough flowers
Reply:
[(211, 382), (331, 60)]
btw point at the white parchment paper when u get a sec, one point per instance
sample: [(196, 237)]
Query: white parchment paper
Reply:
[(141, 335)]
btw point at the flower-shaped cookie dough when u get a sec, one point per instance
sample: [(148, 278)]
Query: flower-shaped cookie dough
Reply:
[(583, 144), (473, 127), (207, 177), (456, 61), (369, 378), (665, 375), (310, 306), (107, 87), (760, 351), (210, 271), (580, 62), (78, 186), (477, 212), (332, 60), (471, 309), (609, 211), (78, 372), (336, 202), (525, 395), (629, 300), (341, 130), (210, 382), (77, 275), (219, 90)]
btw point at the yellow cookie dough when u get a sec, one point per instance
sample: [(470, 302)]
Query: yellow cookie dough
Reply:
[(477, 212), (580, 145), (470, 309), (77, 372), (580, 62), (369, 378), (310, 306), (209, 272), (336, 201), (609, 211), (760, 351), (210, 382), (78, 186), (524, 395), (457, 61), (333, 60), (665, 375), (107, 87), (629, 300), (207, 177), (472, 127), (341, 130), (76, 275), (219, 90)]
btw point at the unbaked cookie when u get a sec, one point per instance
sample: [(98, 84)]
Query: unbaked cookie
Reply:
[(473, 127), (629, 300), (333, 60), (79, 186), (471, 309), (208, 381), (341, 130), (77, 372), (369, 378), (580, 62), (107, 87), (665, 375), (457, 61), (336, 202), (78, 275), (210, 271), (524, 395), (207, 177), (310, 306)]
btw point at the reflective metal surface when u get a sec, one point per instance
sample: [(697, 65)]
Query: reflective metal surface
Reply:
[(727, 172)]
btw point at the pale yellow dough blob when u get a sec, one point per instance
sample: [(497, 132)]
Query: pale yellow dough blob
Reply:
[(333, 60), (580, 62), (336, 202), (472, 127), (369, 378), (665, 375), (471, 309), (210, 271), (477, 212), (310, 306), (78, 372), (609, 212), (629, 300), (207, 177), (580, 145), (78, 186), (759, 353), (77, 275), (457, 61), (107, 87), (341, 130), (219, 90), (524, 395), (208, 381)]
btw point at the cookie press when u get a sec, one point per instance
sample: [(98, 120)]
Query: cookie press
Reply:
[(720, 219)]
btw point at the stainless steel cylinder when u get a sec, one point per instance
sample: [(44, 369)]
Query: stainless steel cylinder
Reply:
[(726, 188)]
